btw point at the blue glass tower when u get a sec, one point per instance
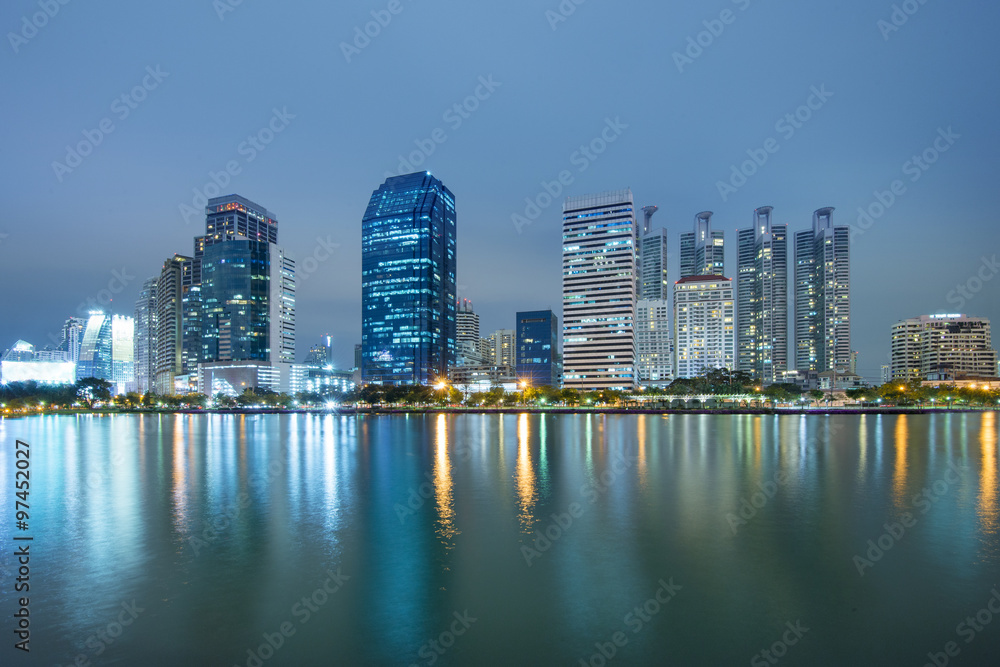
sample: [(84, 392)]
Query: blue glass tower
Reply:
[(235, 293), (408, 267), (536, 348)]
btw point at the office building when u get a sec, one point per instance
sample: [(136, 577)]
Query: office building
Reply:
[(123, 353), (96, 349), (703, 250), (228, 218), (145, 336), (704, 325), (654, 343), (762, 298), (599, 291), (408, 292), (823, 296), (536, 348), (941, 347)]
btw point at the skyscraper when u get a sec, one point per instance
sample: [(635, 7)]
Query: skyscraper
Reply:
[(762, 297), (145, 336), (408, 291), (703, 250), (599, 291), (96, 349), (467, 335), (652, 264), (72, 338), (177, 347), (230, 217), (653, 342), (537, 343), (123, 353), (823, 296), (248, 303), (704, 325)]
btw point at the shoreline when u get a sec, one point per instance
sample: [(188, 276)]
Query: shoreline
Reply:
[(523, 410)]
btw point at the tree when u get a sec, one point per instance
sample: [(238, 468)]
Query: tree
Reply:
[(93, 390)]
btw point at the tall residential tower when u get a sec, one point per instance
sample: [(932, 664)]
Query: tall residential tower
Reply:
[(762, 298), (823, 296)]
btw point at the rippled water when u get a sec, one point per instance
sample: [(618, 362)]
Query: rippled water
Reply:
[(507, 540)]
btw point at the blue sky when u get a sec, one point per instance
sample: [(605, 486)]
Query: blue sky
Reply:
[(221, 76)]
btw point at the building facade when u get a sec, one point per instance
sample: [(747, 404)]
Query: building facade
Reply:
[(762, 298), (599, 290), (942, 346), (468, 351), (704, 325), (145, 337), (823, 295), (96, 349), (537, 347), (703, 251), (123, 353), (177, 346), (654, 343), (408, 290)]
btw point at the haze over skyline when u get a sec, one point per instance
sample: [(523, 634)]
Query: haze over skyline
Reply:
[(531, 90)]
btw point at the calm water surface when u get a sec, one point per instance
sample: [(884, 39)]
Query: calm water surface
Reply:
[(506, 540)]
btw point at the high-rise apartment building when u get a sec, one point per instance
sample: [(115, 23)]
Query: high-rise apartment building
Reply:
[(501, 348), (408, 290), (823, 296), (652, 265), (72, 338), (599, 291), (703, 251), (943, 346), (177, 346), (704, 325), (145, 336), (536, 348), (762, 298), (653, 342), (467, 346)]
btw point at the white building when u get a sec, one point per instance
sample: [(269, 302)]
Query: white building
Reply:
[(704, 325), (654, 342), (468, 351), (942, 346), (281, 313), (599, 291)]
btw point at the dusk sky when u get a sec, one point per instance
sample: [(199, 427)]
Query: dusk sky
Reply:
[(217, 74)]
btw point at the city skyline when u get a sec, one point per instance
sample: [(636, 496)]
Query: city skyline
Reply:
[(518, 125)]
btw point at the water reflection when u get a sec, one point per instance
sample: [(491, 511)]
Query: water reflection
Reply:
[(527, 492), (987, 505), (443, 486), (902, 439)]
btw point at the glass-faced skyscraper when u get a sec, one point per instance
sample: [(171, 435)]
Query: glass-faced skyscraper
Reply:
[(537, 347), (408, 272), (599, 289), (762, 298), (823, 296), (145, 336)]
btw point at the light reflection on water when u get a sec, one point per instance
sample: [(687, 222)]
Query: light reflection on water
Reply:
[(118, 504)]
